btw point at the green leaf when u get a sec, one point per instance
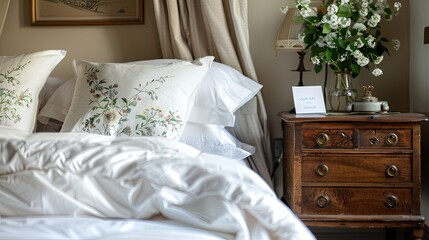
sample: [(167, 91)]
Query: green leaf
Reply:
[(383, 39), (388, 11), (344, 11), (318, 68), (355, 68), (328, 55), (326, 28)]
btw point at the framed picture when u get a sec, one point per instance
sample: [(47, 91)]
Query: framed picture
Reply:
[(86, 12)]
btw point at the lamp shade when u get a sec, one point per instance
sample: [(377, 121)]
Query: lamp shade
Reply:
[(287, 37)]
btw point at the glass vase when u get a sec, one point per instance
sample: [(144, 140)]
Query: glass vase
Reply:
[(342, 94)]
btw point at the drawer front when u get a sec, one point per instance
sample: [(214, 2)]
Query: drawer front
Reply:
[(358, 169), (356, 201), (384, 138), (327, 139)]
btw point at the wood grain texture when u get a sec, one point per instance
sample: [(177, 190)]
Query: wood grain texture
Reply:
[(354, 170)]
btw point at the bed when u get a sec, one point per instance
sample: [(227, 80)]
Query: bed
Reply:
[(149, 159)]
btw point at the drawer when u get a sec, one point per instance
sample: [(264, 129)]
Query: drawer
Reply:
[(356, 201), (327, 139), (384, 138), (358, 169)]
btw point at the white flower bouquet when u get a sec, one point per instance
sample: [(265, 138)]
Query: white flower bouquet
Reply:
[(346, 34)]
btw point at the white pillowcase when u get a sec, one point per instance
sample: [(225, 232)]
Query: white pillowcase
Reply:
[(21, 80), (58, 104), (222, 91), (215, 139), (134, 100)]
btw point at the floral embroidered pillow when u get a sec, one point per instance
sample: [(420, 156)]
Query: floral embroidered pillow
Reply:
[(119, 99), (21, 79)]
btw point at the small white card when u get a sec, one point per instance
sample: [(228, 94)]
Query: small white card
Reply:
[(308, 99)]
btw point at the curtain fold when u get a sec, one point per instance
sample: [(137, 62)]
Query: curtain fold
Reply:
[(4, 6), (189, 29)]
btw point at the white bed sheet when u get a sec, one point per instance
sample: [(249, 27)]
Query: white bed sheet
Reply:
[(67, 228), (44, 175)]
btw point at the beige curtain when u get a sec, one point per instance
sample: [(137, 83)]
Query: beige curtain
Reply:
[(4, 6), (190, 29)]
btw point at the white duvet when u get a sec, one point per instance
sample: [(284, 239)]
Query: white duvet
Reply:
[(45, 175)]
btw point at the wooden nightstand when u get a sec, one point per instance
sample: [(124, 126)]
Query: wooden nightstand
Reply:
[(354, 170)]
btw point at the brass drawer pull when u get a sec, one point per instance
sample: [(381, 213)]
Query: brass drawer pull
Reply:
[(392, 139), (323, 201), (392, 171), (391, 201), (322, 170), (322, 139)]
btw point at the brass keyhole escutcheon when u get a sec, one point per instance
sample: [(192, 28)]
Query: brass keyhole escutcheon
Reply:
[(322, 170), (392, 171), (391, 201), (322, 139), (323, 201), (392, 139)]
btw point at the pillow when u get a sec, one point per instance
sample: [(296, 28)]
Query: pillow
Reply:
[(215, 139), (222, 91), (118, 99), (21, 80), (58, 104)]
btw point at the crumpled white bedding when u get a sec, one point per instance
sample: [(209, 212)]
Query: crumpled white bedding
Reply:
[(85, 175)]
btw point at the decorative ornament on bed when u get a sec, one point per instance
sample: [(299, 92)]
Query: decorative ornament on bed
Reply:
[(110, 114), (21, 79), (119, 99)]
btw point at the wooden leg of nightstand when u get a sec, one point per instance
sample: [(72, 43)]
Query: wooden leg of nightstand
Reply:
[(418, 233)]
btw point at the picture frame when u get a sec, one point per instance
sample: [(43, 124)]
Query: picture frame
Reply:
[(86, 12)]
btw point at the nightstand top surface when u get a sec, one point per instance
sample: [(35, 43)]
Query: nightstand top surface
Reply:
[(354, 117)]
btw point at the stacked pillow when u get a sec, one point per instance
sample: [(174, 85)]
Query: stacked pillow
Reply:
[(21, 80), (115, 99)]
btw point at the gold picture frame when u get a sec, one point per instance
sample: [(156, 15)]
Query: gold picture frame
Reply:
[(86, 12)]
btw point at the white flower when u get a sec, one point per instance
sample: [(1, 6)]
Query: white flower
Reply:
[(377, 72), (315, 60), (363, 12), (360, 27), (111, 117), (362, 61), (344, 2), (396, 44), (345, 22), (332, 9), (358, 43), (371, 41), (374, 20), (379, 59), (397, 6)]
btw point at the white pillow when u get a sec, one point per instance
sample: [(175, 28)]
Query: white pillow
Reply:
[(222, 91), (21, 80), (58, 104), (135, 100), (215, 139)]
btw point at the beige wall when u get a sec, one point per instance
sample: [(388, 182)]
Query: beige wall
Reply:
[(93, 43)]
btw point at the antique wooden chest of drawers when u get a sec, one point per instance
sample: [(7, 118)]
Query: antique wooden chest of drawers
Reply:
[(354, 170)]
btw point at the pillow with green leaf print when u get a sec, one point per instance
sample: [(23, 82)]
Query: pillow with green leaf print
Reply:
[(21, 79), (119, 99)]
